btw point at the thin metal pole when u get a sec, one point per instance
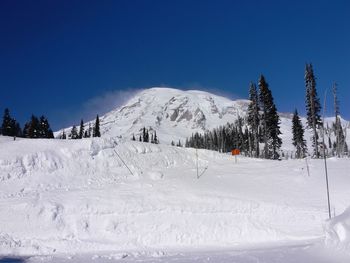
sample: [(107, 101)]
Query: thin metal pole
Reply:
[(324, 157), (123, 162), (307, 167), (197, 162)]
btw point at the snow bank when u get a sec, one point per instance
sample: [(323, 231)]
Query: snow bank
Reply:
[(73, 196), (338, 232)]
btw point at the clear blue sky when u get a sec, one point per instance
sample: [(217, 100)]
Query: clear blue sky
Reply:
[(57, 56)]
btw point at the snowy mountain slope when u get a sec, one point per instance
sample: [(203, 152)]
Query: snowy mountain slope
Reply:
[(67, 196), (176, 114)]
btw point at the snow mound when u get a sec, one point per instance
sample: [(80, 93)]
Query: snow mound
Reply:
[(338, 232)]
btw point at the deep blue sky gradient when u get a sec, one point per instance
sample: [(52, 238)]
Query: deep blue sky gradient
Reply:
[(57, 56)]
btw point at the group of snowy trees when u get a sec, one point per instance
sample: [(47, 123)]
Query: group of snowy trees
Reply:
[(258, 135), (83, 133), (263, 122), (34, 128), (224, 138), (261, 126), (145, 136), (314, 122)]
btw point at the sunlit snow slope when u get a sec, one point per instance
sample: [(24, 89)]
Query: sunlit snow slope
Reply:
[(65, 196)]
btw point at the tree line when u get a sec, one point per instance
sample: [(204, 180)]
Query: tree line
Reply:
[(261, 126), (145, 136), (258, 134), (34, 128), (90, 131), (40, 128)]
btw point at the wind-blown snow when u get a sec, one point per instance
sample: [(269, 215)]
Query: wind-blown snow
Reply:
[(66, 196)]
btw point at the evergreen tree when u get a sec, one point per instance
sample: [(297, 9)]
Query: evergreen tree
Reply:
[(313, 107), (346, 149), (34, 127), (144, 134), (254, 119), (298, 136), (338, 130), (133, 137), (88, 132), (96, 131), (44, 128), (155, 138), (140, 139), (63, 135), (18, 130), (179, 144), (271, 121), (7, 126), (74, 133), (147, 136), (81, 129), (172, 143), (14, 129), (25, 132)]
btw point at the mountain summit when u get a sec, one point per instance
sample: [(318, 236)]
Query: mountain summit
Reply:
[(174, 114)]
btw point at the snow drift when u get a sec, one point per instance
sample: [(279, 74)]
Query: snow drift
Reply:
[(338, 232)]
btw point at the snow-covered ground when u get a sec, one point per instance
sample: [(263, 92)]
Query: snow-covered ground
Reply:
[(61, 199)]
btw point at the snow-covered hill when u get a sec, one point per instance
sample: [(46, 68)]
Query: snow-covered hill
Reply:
[(74, 196), (176, 114)]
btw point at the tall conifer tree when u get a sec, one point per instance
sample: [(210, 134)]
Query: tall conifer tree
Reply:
[(74, 133), (313, 106), (270, 120), (81, 129), (298, 136), (7, 124), (254, 118), (96, 131), (338, 130), (33, 127)]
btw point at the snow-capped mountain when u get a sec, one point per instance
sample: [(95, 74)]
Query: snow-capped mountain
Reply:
[(174, 114)]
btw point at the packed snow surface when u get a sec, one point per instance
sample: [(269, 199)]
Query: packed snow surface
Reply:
[(73, 196)]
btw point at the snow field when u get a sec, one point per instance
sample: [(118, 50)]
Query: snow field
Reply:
[(59, 196)]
